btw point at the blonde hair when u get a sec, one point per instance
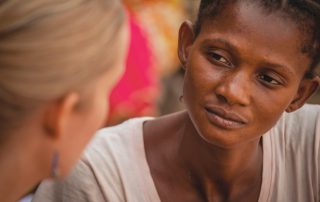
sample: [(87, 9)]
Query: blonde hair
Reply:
[(49, 47)]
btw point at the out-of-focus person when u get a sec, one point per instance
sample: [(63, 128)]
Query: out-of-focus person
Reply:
[(54, 76)]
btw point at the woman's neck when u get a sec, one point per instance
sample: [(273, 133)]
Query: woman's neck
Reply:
[(228, 171), (19, 168)]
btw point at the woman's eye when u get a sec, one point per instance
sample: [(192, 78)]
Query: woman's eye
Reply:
[(220, 59), (269, 80)]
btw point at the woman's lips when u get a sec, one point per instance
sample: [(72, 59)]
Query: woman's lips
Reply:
[(225, 119)]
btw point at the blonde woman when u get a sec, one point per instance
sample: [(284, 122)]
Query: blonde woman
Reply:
[(59, 60)]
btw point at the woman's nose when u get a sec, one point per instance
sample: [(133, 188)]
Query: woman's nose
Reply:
[(234, 89)]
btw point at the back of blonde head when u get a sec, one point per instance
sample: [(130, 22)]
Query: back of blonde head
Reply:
[(50, 47)]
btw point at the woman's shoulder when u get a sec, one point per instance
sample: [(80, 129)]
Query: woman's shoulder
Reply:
[(128, 132), (109, 168), (296, 136), (115, 147), (294, 145), (307, 113), (302, 123), (299, 129), (123, 130)]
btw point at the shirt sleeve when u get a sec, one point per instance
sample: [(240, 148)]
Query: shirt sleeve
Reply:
[(79, 186)]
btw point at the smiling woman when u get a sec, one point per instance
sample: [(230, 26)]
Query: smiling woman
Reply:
[(245, 136)]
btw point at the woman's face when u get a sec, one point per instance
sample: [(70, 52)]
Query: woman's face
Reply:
[(243, 70), (87, 120)]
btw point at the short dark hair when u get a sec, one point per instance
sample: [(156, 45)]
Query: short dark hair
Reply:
[(306, 13)]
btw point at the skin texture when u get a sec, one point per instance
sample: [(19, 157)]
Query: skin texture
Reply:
[(55, 127), (91, 113), (241, 68)]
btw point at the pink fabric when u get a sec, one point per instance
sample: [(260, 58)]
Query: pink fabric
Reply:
[(136, 92)]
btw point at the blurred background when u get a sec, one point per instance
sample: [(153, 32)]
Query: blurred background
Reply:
[(152, 82)]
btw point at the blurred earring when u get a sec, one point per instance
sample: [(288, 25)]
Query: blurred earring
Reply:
[(181, 98), (48, 129), (55, 165)]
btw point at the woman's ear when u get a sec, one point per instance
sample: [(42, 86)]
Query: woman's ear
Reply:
[(59, 114), (306, 89), (186, 38)]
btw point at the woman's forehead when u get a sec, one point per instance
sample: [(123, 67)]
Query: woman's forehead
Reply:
[(259, 17), (251, 30)]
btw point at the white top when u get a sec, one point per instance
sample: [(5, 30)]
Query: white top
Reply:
[(114, 167)]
